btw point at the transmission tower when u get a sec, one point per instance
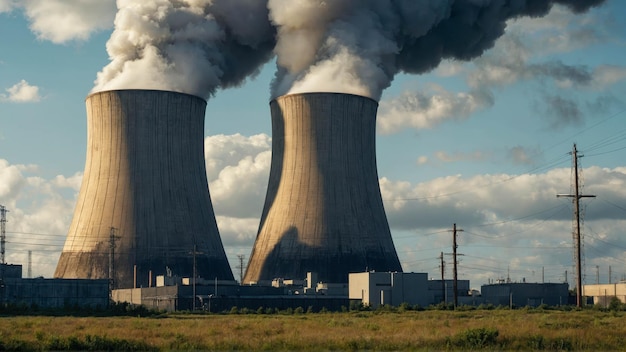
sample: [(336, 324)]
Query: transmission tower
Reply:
[(576, 233)]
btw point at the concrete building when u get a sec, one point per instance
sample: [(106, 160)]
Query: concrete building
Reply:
[(522, 294), (51, 293), (323, 210), (57, 293), (379, 288), (144, 195), (443, 291), (225, 295), (603, 293)]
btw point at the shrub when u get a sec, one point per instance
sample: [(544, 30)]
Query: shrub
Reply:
[(615, 304), (477, 338)]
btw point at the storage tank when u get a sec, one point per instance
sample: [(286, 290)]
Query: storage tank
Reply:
[(144, 190), (323, 210)]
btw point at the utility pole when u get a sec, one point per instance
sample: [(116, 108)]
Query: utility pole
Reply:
[(597, 275), (112, 238), (195, 275), (3, 238), (443, 280), (30, 265), (577, 234), (3, 234), (241, 257), (454, 265), (610, 274)]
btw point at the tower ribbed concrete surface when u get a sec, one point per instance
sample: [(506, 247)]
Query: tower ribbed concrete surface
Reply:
[(323, 210), (145, 177)]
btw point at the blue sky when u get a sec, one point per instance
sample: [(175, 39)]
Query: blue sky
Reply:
[(483, 144)]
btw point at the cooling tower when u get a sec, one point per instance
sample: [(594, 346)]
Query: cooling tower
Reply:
[(145, 177), (323, 210)]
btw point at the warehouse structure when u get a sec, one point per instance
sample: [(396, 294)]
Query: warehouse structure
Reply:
[(603, 293), (52, 293), (522, 294)]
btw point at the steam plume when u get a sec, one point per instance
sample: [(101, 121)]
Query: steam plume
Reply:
[(189, 46), (357, 46)]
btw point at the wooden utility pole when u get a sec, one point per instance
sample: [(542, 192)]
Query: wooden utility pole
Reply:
[(454, 265), (577, 234), (443, 280), (112, 238), (195, 276)]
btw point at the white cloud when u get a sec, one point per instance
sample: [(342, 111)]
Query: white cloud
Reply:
[(509, 222), (7, 5), (228, 150), (61, 21), (39, 215), (607, 75), (424, 110), (21, 92), (238, 172)]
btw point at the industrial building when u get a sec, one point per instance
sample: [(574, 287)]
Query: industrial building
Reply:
[(603, 293), (175, 293), (323, 209), (374, 289), (52, 293), (521, 294), (144, 204), (390, 288)]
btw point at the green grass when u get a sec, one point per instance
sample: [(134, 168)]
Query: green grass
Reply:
[(347, 331)]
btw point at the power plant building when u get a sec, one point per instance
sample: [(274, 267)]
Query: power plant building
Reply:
[(144, 207), (323, 209)]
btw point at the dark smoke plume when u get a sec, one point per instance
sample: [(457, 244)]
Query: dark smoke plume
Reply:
[(358, 46)]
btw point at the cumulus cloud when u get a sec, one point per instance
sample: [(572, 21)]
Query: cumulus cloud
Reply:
[(238, 171), (21, 92), (39, 214), (510, 221), (427, 109), (61, 21)]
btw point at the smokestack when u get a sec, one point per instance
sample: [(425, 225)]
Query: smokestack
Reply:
[(323, 210), (144, 177)]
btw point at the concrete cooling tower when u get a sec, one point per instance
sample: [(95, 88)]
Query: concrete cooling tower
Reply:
[(144, 190), (323, 210)]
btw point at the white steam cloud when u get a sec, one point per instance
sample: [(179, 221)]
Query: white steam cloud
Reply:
[(357, 46), (344, 46), (189, 46)]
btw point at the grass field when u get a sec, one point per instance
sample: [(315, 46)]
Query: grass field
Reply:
[(523, 329)]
